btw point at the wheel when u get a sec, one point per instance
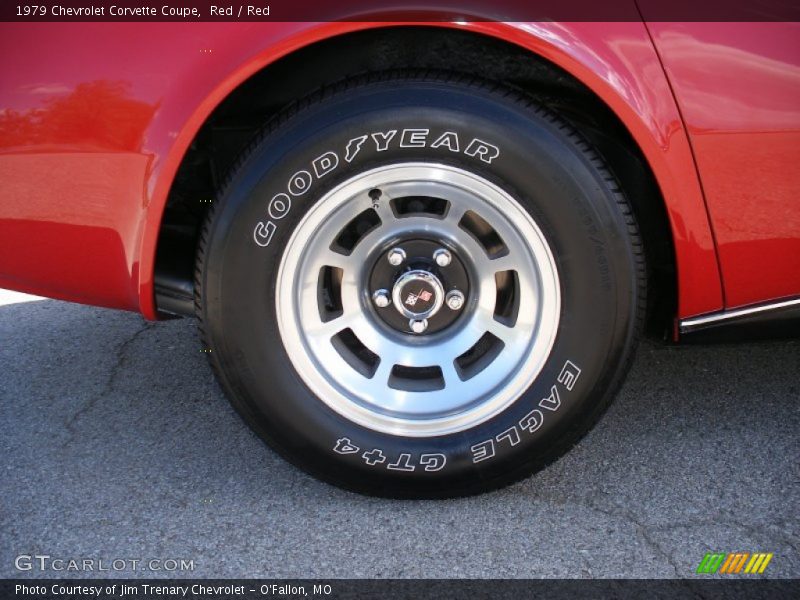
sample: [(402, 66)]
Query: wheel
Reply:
[(420, 286)]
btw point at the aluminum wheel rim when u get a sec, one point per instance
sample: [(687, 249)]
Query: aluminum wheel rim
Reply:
[(370, 399)]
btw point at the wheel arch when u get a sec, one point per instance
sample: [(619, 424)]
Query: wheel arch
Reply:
[(615, 63)]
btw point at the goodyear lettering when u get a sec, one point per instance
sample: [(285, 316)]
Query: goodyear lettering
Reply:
[(379, 141)]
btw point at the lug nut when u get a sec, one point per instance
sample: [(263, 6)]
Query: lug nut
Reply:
[(454, 300), (396, 256), (442, 257), (418, 326), (381, 298)]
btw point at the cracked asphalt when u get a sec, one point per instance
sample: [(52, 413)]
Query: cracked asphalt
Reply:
[(116, 443)]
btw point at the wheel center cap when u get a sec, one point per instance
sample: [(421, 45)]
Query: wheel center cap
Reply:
[(418, 294)]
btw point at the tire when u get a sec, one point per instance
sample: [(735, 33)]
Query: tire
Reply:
[(394, 168)]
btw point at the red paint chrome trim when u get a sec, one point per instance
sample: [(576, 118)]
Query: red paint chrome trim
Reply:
[(709, 320)]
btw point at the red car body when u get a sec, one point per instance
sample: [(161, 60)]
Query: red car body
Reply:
[(95, 119)]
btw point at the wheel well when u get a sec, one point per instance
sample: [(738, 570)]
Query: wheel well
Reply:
[(228, 129)]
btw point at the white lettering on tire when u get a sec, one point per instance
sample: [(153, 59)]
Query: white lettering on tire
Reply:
[(414, 138), (449, 140), (382, 139), (485, 450), (511, 434), (403, 463), (279, 206), (327, 162), (569, 375), (534, 419), (551, 402), (263, 233), (485, 151), (482, 451), (300, 183), (433, 462), (345, 446), (353, 147)]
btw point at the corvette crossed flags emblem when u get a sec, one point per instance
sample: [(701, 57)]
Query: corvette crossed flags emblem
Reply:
[(423, 295)]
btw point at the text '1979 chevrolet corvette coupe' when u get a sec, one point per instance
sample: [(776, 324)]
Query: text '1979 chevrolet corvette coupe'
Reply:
[(420, 252)]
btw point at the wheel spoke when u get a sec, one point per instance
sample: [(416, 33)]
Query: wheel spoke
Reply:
[(500, 264), (450, 375), (335, 259), (455, 213), (504, 333), (384, 208), (324, 331), (380, 378)]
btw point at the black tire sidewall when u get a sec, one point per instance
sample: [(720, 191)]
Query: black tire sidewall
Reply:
[(552, 174)]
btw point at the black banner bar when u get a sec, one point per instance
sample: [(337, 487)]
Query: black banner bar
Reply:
[(391, 589), (397, 10)]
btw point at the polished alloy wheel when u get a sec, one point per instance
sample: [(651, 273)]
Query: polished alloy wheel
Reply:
[(418, 299)]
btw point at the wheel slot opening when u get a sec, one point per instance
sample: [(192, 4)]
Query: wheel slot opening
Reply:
[(355, 230), (416, 379), (329, 293), (408, 206), (484, 234), (356, 354), (506, 308), (480, 356)]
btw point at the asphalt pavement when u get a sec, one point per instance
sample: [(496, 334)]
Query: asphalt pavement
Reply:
[(117, 444)]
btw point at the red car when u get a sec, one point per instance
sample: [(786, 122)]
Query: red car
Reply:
[(420, 254)]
